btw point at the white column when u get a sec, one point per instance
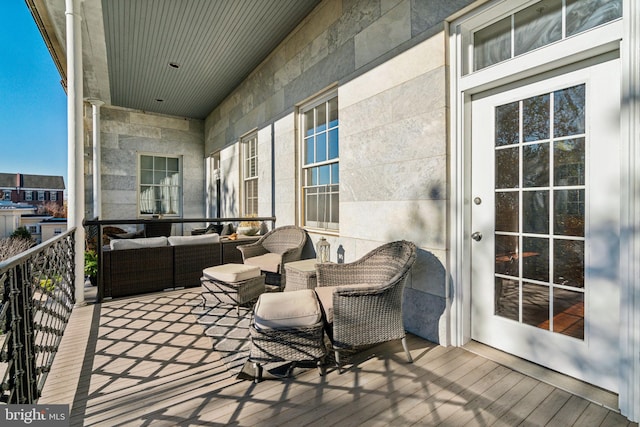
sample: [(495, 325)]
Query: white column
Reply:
[(629, 396), (97, 181), (75, 143)]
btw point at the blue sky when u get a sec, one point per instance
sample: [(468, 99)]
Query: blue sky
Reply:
[(33, 110)]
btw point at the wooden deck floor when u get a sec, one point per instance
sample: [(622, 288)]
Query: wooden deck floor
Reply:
[(146, 361)]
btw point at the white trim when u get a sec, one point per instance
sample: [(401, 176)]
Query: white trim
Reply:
[(630, 215), (623, 34)]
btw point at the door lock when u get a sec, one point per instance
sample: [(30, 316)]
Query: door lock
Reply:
[(477, 236)]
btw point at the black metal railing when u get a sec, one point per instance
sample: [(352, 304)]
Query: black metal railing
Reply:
[(37, 291)]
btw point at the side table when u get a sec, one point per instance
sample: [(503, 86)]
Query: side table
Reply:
[(300, 274)]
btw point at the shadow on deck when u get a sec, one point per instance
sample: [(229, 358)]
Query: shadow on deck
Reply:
[(146, 361)]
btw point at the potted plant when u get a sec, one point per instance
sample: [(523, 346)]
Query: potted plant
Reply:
[(91, 266)]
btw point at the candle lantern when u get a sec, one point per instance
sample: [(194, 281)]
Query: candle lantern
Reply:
[(323, 250)]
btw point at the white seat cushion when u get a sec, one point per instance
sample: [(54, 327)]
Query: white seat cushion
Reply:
[(145, 242), (268, 262), (231, 272), (278, 310), (193, 240)]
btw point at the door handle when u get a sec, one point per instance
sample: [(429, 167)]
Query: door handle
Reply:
[(477, 236)]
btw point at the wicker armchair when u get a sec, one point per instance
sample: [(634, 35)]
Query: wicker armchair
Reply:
[(362, 300), (273, 250)]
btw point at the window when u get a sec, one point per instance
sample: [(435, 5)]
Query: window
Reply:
[(7, 194), (53, 196), (28, 196), (320, 163), (41, 195), (540, 24), (160, 187), (250, 174)]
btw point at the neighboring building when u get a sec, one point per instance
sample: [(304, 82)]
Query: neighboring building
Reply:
[(36, 190), (10, 216), (32, 224), (498, 135), (51, 227)]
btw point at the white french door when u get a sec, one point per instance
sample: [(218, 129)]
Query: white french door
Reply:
[(545, 221)]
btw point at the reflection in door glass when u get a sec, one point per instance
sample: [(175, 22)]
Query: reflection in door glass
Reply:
[(507, 211), (507, 168), (535, 305), (507, 292), (535, 212), (569, 212), (568, 313), (535, 118), (507, 124), (535, 258), (540, 211), (568, 111), (568, 157), (568, 261)]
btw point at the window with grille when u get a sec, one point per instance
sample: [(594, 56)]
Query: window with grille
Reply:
[(160, 185), (250, 174), (320, 163)]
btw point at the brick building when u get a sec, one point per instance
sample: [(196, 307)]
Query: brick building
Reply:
[(36, 190)]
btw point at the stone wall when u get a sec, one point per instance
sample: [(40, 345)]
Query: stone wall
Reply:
[(387, 60), (124, 134)]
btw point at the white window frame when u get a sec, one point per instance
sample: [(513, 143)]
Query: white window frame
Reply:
[(28, 196), (41, 197), (330, 191), (249, 171), (53, 196), (6, 195), (147, 192)]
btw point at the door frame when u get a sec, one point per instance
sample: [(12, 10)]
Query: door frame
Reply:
[(623, 35)]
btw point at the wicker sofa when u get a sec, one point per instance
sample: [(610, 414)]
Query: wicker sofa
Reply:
[(137, 266)]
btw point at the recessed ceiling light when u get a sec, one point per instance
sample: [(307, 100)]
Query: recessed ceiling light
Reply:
[(159, 100), (174, 65)]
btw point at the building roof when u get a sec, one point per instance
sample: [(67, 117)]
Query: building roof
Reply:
[(44, 182)]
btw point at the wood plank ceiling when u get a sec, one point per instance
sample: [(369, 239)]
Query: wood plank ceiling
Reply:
[(184, 57)]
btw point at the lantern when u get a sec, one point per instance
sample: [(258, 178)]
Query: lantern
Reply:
[(323, 250)]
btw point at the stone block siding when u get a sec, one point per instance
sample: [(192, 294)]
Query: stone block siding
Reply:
[(387, 60)]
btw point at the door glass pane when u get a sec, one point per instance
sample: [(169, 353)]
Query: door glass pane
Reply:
[(538, 25), (535, 305), (568, 158), (535, 212), (535, 258), (535, 118), (507, 211), (569, 212), (585, 14), (568, 111), (507, 298), (525, 209), (507, 255), (507, 168), (568, 263), (535, 165), (568, 313), (508, 124)]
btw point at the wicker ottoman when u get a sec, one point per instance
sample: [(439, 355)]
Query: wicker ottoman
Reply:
[(287, 327), (234, 284)]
